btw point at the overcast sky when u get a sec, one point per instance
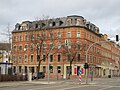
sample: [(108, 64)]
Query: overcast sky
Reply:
[(103, 13)]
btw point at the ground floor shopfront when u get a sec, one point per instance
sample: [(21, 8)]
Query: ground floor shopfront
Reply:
[(62, 71)]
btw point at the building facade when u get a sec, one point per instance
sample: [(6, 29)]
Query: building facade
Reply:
[(61, 43), (5, 58)]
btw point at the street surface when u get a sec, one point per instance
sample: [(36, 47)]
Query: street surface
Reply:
[(72, 84)]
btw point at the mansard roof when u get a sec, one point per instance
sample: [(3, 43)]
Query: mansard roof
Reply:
[(73, 20)]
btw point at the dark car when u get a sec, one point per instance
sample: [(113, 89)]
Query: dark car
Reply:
[(40, 75)]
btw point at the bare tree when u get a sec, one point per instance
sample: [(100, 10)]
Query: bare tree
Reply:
[(7, 33), (70, 51), (41, 38)]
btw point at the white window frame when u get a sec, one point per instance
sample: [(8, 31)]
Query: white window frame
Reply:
[(69, 34), (78, 34)]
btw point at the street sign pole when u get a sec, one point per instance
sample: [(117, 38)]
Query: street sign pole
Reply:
[(86, 69)]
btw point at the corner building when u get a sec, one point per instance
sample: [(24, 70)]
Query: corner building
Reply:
[(76, 34)]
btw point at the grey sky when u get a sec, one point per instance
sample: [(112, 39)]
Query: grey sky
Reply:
[(103, 13)]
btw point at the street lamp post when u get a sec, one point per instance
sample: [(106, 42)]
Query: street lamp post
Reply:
[(110, 72), (86, 61), (48, 69)]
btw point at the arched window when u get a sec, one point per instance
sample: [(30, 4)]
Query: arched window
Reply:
[(31, 47), (78, 22), (68, 23), (51, 45)]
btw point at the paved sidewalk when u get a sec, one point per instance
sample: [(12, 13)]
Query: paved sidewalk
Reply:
[(41, 81), (20, 83)]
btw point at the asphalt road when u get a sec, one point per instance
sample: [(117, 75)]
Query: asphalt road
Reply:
[(97, 84)]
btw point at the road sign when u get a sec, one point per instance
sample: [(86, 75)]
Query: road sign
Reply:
[(80, 72)]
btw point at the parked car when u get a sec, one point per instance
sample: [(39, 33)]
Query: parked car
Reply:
[(40, 75)]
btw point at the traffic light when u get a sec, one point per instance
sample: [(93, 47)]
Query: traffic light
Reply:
[(86, 66), (117, 37)]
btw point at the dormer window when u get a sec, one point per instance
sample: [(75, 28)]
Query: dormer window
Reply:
[(60, 23), (53, 24), (71, 21), (36, 25), (43, 25), (87, 25), (19, 27), (50, 24), (78, 22), (75, 21), (68, 22)]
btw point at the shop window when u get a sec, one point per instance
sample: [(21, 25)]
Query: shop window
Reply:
[(20, 69), (44, 69)]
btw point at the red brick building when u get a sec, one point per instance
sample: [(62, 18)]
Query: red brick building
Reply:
[(69, 37)]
